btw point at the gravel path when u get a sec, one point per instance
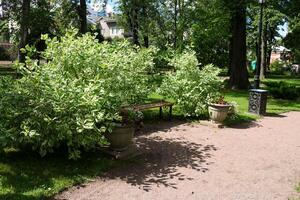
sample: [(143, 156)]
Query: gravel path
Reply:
[(258, 161)]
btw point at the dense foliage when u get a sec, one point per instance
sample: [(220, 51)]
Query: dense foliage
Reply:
[(278, 67), (74, 98), (282, 90), (191, 87), (292, 40)]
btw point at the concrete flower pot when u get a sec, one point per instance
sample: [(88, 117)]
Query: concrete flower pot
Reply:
[(120, 138), (218, 112)]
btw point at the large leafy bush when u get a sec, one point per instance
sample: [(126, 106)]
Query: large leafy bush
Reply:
[(75, 97), (191, 87)]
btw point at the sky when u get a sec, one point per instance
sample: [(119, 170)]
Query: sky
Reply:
[(113, 3), (283, 30)]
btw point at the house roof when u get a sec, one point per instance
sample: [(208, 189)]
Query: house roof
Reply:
[(97, 9), (107, 19), (281, 49)]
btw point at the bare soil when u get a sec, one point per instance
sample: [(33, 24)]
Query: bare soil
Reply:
[(256, 161)]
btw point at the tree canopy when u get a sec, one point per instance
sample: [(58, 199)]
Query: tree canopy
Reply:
[(222, 32)]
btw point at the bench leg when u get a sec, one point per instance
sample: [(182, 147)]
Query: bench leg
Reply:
[(170, 113), (160, 112)]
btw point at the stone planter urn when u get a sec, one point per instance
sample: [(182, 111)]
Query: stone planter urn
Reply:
[(120, 138), (218, 112)]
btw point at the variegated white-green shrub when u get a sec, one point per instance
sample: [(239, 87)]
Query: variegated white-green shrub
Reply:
[(189, 86), (73, 98)]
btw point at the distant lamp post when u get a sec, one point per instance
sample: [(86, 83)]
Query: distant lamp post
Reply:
[(258, 97), (258, 63)]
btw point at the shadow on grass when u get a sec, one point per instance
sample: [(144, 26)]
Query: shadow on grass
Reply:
[(20, 197), (241, 121), (24, 175)]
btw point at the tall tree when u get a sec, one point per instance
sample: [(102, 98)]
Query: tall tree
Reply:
[(238, 59), (82, 10), (137, 16), (210, 32), (292, 40), (163, 22), (24, 28), (130, 10), (65, 15), (273, 19)]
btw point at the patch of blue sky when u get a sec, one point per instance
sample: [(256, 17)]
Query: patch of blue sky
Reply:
[(114, 4), (283, 30)]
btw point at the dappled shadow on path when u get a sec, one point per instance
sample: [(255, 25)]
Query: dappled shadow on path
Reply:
[(161, 126), (162, 162)]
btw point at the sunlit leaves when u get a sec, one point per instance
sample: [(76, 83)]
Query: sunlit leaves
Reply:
[(74, 98), (192, 89)]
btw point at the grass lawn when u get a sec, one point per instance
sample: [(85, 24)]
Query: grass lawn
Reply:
[(274, 106), (294, 80), (27, 176)]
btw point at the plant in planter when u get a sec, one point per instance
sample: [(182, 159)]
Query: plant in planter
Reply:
[(122, 134), (218, 111)]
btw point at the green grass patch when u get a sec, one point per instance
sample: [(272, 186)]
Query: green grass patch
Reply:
[(25, 175), (291, 80), (298, 190), (274, 106), (241, 100)]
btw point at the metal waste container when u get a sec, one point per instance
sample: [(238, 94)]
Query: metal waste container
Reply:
[(258, 101)]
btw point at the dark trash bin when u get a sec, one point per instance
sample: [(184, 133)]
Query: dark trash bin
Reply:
[(258, 101)]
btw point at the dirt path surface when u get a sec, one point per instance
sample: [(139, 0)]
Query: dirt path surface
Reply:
[(258, 161)]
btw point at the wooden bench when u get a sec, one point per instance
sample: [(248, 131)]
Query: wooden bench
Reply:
[(147, 106)]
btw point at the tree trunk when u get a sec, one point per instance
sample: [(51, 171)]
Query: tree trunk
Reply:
[(82, 16), (230, 46), (146, 41), (263, 57), (239, 73), (268, 62), (135, 26), (269, 48), (175, 23), (145, 27), (24, 29)]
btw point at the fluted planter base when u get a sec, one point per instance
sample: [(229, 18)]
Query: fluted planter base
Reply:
[(218, 112), (120, 138)]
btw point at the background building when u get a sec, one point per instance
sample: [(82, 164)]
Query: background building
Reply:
[(280, 53), (101, 14)]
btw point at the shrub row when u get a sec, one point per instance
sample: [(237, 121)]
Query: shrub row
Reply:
[(74, 98), (282, 90)]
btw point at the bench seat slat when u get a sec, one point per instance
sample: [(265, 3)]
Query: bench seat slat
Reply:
[(149, 105)]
